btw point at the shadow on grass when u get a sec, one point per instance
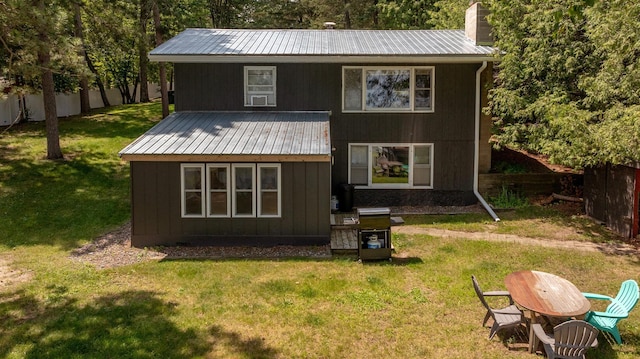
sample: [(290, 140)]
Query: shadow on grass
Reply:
[(518, 341), (65, 202), (132, 121), (131, 324), (251, 347), (395, 261)]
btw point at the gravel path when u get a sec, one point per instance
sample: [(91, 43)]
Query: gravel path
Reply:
[(608, 248)]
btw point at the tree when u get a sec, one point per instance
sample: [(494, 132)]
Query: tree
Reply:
[(39, 44), (405, 14), (111, 38), (448, 14), (279, 14), (85, 106), (161, 66), (143, 62), (569, 79)]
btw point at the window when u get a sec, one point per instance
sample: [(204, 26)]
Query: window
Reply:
[(387, 89), (268, 190), (218, 185), (192, 190), (243, 186), (231, 190), (391, 165), (260, 86)]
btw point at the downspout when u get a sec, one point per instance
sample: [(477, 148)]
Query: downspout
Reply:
[(476, 155)]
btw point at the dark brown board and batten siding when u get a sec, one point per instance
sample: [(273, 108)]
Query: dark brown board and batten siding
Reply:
[(156, 217), (318, 87)]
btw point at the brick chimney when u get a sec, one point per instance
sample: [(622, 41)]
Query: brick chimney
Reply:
[(476, 27)]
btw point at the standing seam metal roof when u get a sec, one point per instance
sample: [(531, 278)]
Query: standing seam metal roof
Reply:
[(220, 42), (236, 133)]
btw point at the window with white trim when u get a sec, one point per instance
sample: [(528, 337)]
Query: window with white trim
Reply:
[(391, 89), (218, 182), (391, 165), (223, 190), (244, 199), (259, 86), (192, 178), (268, 190)]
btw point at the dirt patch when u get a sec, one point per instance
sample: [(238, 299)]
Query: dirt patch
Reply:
[(114, 250), (607, 248), (529, 162), (10, 276)]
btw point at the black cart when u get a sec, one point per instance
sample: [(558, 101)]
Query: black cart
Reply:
[(374, 233)]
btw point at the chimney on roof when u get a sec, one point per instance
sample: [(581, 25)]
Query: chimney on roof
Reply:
[(476, 26), (329, 25)]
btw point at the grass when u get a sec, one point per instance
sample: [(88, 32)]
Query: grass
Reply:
[(508, 199), (421, 305)]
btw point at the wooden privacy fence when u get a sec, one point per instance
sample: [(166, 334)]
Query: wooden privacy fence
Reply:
[(530, 184)]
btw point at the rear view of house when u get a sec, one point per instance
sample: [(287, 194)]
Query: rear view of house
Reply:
[(269, 124)]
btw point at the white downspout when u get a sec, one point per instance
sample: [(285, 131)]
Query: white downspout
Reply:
[(476, 155)]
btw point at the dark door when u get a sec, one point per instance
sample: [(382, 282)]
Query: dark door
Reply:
[(636, 205)]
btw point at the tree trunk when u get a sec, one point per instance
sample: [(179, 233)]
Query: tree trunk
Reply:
[(375, 14), (85, 106), (163, 73), (103, 92), (49, 96), (142, 52), (135, 88), (347, 17), (48, 90)]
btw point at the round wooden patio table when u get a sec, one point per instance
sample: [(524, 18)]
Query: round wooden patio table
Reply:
[(546, 294)]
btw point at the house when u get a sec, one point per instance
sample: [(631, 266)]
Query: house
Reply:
[(269, 124), (612, 196)]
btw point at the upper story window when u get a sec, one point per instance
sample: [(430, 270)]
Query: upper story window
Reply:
[(393, 89), (260, 86)]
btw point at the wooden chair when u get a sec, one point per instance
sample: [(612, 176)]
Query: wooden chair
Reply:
[(570, 339), (507, 317), (617, 310)]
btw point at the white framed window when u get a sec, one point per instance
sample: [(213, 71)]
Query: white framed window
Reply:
[(244, 184), (225, 190), (218, 186), (192, 177), (388, 89), (391, 165), (259, 86), (269, 183)]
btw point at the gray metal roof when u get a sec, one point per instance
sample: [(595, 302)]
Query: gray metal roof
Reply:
[(251, 135), (294, 45)]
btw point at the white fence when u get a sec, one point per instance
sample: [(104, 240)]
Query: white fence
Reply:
[(67, 104)]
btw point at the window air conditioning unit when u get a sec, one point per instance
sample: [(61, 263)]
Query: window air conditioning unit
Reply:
[(258, 100)]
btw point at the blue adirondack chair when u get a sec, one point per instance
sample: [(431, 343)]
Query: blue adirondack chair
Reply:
[(617, 310)]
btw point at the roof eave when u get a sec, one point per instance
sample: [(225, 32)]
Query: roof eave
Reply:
[(225, 157), (378, 59)]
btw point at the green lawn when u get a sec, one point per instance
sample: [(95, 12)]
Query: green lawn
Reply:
[(421, 305)]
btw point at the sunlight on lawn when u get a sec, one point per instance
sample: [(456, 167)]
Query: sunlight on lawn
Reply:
[(420, 305)]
